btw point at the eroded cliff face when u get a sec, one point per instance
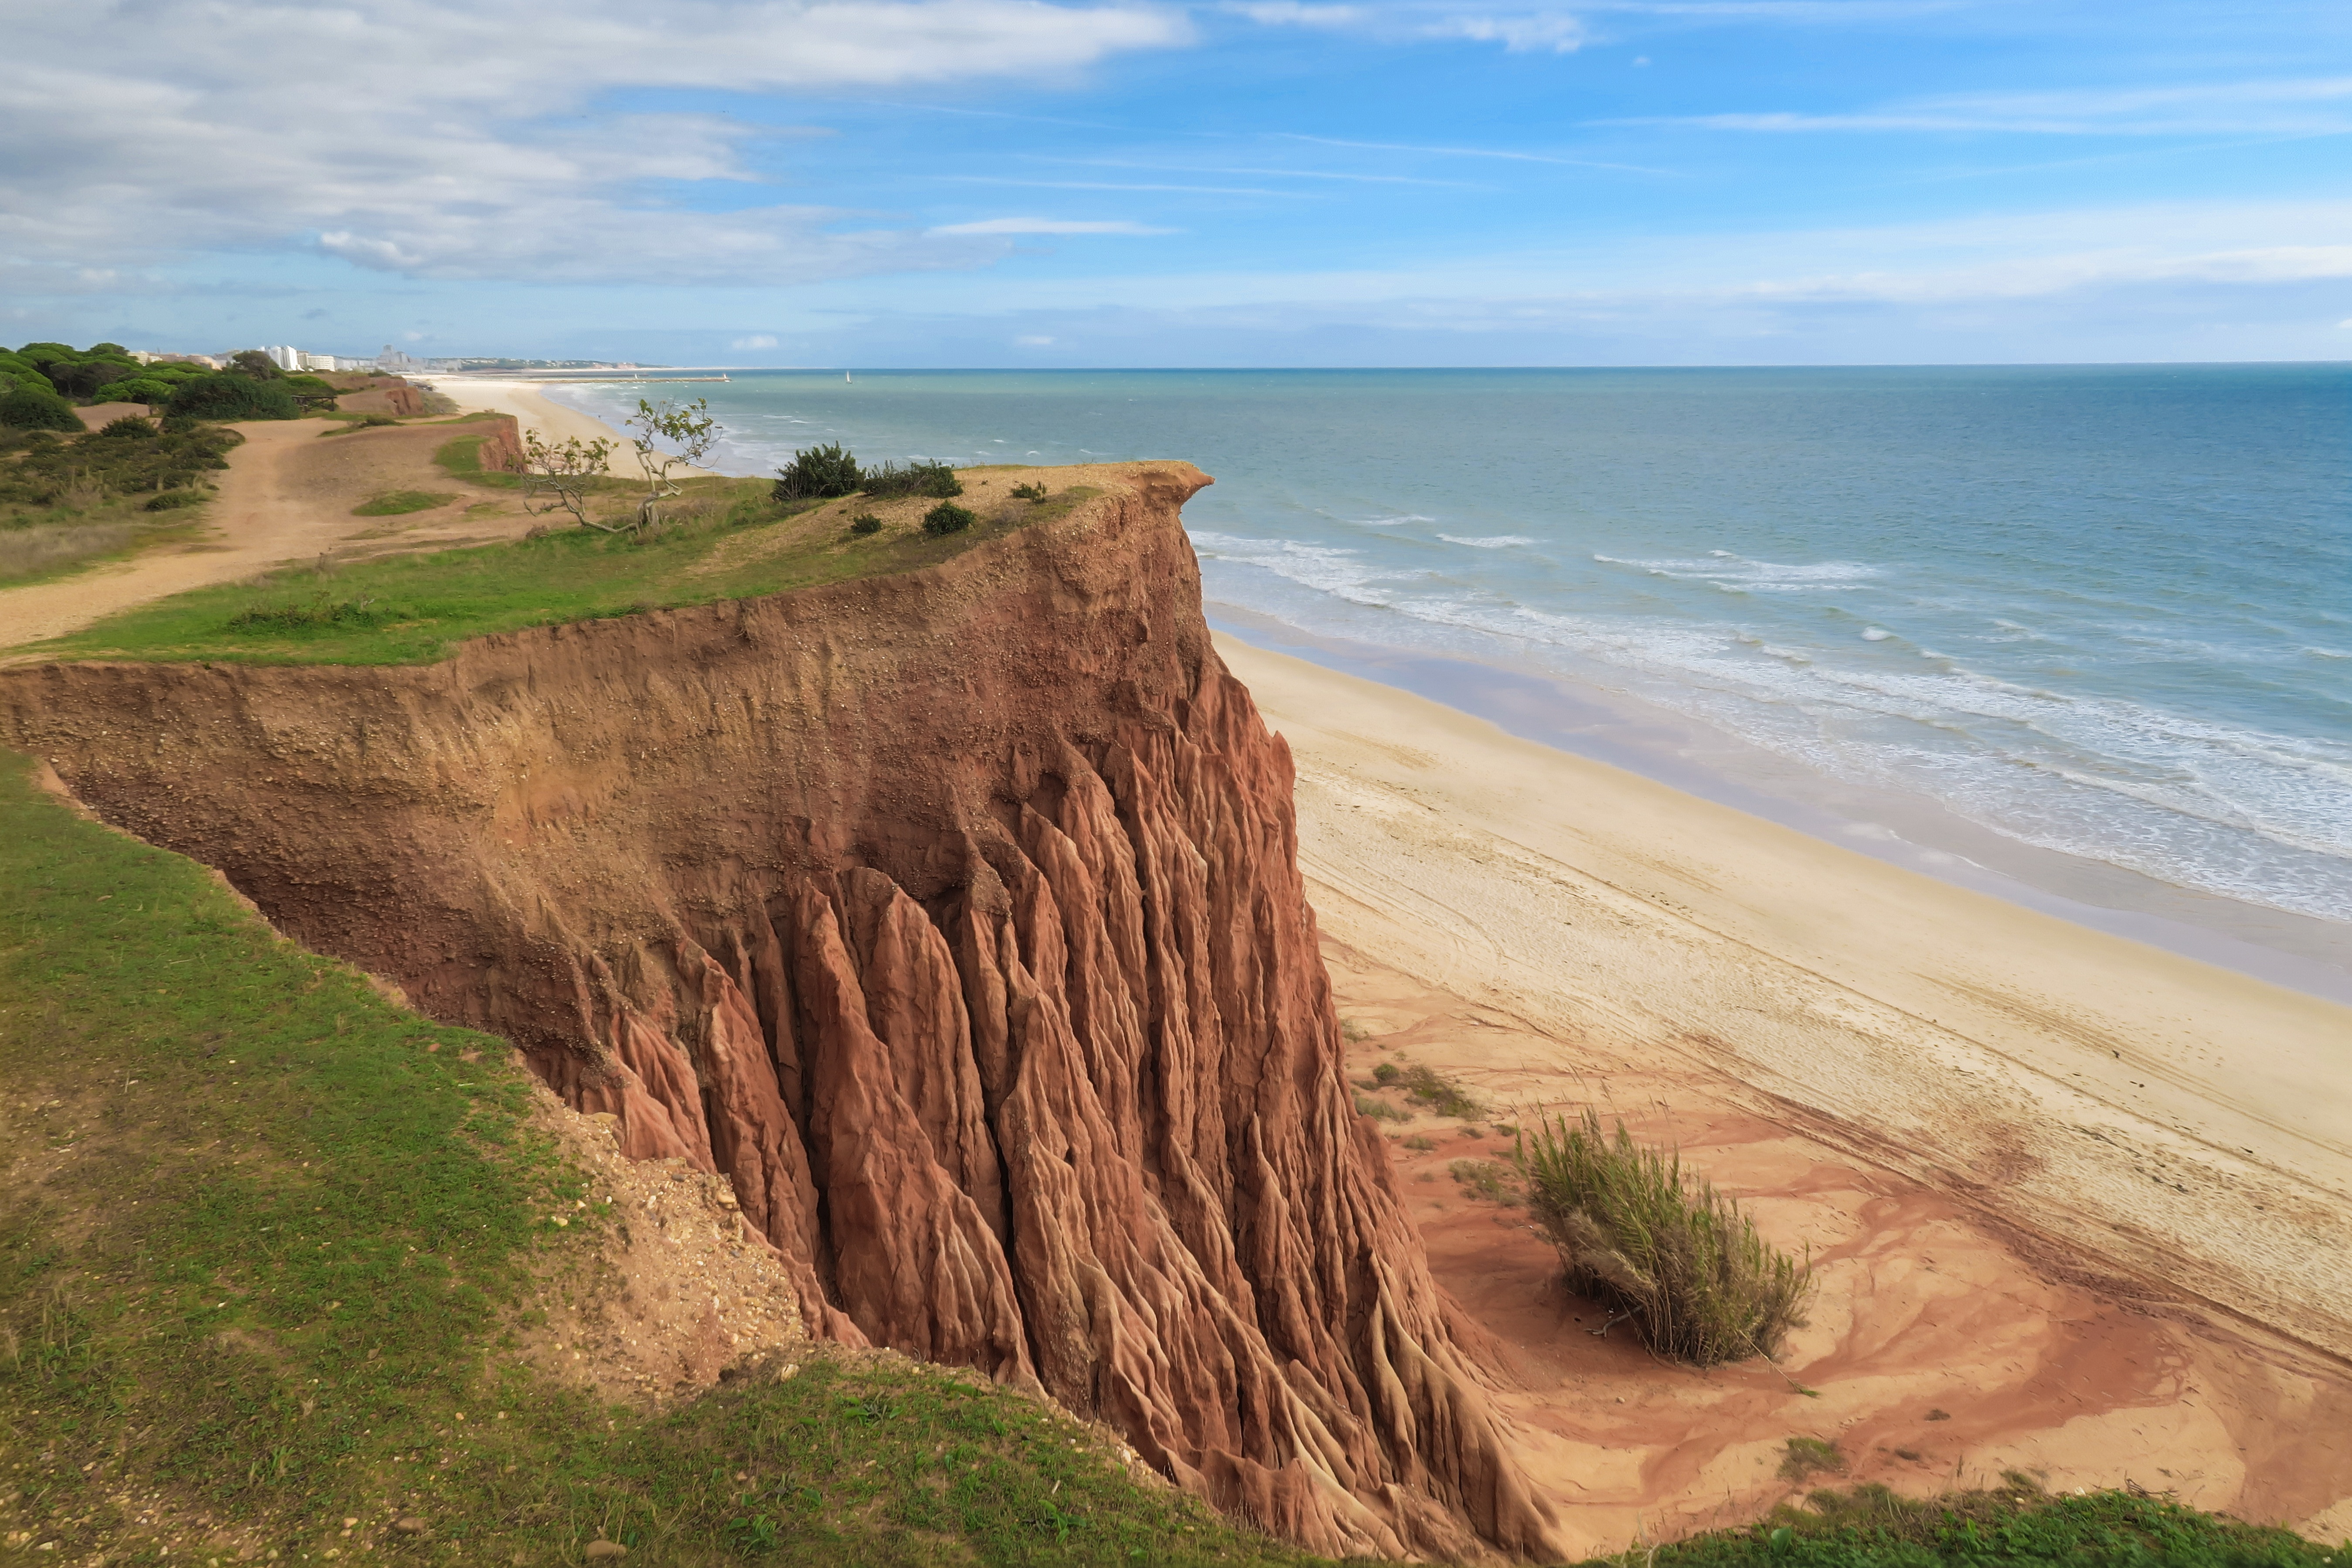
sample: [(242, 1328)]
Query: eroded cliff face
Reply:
[(954, 916)]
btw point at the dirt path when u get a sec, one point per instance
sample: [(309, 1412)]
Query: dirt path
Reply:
[(1943, 1348), (288, 496)]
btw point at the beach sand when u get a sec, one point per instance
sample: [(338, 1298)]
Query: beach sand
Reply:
[(535, 410), (2090, 1200)]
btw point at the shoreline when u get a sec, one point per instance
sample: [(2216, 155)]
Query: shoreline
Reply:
[(1916, 833), (2189, 1123)]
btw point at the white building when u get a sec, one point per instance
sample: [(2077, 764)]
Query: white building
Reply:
[(286, 357), (392, 362)]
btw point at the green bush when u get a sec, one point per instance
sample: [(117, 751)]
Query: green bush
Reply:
[(231, 396), (947, 518), (817, 473), (1378, 1109), (937, 480), (1028, 492), (320, 611), (865, 523), (1638, 1234), (83, 378), (130, 427), (173, 500), (22, 408)]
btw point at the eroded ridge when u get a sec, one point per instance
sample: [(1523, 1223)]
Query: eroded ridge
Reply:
[(955, 917)]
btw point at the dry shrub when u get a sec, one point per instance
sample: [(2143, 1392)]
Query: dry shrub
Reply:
[(1640, 1235)]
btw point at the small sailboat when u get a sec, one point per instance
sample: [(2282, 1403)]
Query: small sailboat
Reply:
[(846, 376)]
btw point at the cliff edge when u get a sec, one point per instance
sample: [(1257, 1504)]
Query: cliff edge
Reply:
[(954, 916)]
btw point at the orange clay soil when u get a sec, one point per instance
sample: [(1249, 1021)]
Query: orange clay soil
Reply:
[(1924, 1306)]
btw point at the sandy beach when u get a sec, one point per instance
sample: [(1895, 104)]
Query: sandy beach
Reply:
[(535, 410), (2090, 1200)]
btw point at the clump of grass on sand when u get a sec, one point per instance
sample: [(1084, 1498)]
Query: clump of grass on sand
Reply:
[(270, 1246), (1651, 1240), (1498, 1183), (2016, 1525)]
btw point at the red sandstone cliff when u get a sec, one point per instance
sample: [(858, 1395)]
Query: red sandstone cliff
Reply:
[(954, 916)]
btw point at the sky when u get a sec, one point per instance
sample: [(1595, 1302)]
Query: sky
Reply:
[(1247, 182)]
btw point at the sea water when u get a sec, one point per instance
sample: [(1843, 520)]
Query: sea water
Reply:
[(2096, 614)]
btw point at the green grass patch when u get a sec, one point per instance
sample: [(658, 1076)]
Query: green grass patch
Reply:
[(395, 503), (2017, 1524), (1498, 1183), (1639, 1233), (414, 608), (266, 1243)]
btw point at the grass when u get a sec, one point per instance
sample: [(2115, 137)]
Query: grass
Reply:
[(2017, 1524), (414, 608), (394, 503), (1497, 1183), (1637, 1232), (1804, 1456), (267, 1243)]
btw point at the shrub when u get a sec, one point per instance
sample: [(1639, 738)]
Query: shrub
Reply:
[(320, 611), (230, 395), (130, 427), (255, 365), (818, 473), (359, 422), (1437, 1092), (947, 518), (22, 408), (937, 480), (864, 524), (173, 500), (1639, 1234), (1386, 1073), (1378, 1109), (1028, 492), (1420, 1144)]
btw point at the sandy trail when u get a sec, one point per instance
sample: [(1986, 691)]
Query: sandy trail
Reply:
[(1940, 1354), (286, 497)]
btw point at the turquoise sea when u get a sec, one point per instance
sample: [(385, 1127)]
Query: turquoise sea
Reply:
[(2080, 634)]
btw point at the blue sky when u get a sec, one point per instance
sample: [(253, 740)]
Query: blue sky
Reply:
[(1250, 183)]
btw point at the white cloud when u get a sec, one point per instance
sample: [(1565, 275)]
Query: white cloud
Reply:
[(2291, 107), (1037, 343), (1291, 13), (1561, 34), (756, 341), (425, 138), (1047, 226)]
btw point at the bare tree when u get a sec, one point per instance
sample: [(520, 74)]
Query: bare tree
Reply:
[(690, 430), (565, 473)]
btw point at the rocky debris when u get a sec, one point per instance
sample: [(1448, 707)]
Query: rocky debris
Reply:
[(953, 917), (679, 1288)]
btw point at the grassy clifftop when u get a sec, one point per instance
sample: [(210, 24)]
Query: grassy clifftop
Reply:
[(723, 539), (267, 1243)]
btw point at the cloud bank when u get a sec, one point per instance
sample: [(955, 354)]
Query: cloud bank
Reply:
[(441, 141)]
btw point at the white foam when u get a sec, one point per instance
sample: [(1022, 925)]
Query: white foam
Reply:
[(1876, 633), (1494, 541)]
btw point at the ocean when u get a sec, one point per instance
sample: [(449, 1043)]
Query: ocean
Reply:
[(2082, 636)]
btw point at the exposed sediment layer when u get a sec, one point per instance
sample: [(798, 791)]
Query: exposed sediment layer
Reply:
[(954, 916)]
